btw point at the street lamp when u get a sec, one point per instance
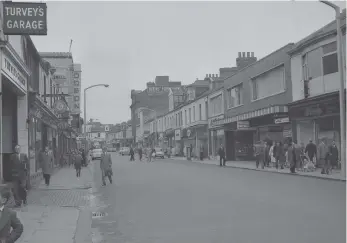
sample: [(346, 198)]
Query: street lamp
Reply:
[(155, 122), (342, 84), (85, 107)]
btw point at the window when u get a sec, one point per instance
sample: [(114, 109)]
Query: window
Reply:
[(269, 83), (216, 105), (44, 88), (190, 115), (235, 96), (329, 59), (199, 112), (193, 113), (185, 117), (98, 135)]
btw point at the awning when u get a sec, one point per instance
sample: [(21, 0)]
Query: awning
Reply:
[(253, 114)]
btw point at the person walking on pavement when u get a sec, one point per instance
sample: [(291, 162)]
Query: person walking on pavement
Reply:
[(259, 150), (311, 150), (333, 155), (323, 157), (221, 154), (10, 226), (106, 166), (20, 163), (132, 154), (279, 155), (202, 152), (78, 163), (140, 153), (46, 162)]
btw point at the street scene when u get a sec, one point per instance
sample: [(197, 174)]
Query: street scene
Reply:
[(173, 122)]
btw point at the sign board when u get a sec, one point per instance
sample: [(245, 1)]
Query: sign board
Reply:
[(107, 128), (160, 89), (13, 72), (24, 18), (60, 106), (216, 121), (76, 76), (242, 124), (177, 134), (282, 120)]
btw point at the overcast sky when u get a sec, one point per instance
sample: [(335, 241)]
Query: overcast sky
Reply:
[(127, 44)]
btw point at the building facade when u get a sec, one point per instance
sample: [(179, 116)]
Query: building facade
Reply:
[(315, 110)]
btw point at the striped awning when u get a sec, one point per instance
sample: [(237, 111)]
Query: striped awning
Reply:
[(253, 114)]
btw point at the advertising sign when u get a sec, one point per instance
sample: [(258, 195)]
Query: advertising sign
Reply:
[(76, 79), (242, 124), (13, 73), (177, 134), (282, 120), (24, 18)]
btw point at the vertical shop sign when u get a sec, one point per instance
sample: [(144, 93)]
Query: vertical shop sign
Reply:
[(76, 92)]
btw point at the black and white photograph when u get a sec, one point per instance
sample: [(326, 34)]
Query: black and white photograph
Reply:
[(173, 121)]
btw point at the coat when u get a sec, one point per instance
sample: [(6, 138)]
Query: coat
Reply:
[(106, 162), (334, 153), (322, 151), (20, 166), (8, 221), (46, 162), (221, 152), (78, 161)]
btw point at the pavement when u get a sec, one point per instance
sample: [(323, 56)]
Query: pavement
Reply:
[(174, 201), (250, 165), (58, 213)]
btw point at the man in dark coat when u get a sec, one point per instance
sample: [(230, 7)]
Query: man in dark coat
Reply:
[(20, 164), (311, 150), (78, 163), (221, 154), (259, 152), (106, 166), (132, 153), (140, 153), (10, 226), (333, 155)]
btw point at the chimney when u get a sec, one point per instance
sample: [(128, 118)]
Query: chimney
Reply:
[(252, 54), (243, 54), (212, 75), (217, 75), (209, 76), (239, 54), (206, 75), (248, 54)]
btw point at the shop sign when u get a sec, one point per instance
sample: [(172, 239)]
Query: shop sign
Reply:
[(242, 124), (177, 134), (281, 120), (313, 111), (161, 89), (24, 18), (14, 74), (107, 128), (216, 121), (77, 92), (287, 133)]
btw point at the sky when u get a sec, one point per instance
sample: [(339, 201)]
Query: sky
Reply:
[(127, 44)]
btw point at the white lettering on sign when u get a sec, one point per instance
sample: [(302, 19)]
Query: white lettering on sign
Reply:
[(282, 120), (242, 124), (13, 72), (77, 88), (31, 12), (26, 25)]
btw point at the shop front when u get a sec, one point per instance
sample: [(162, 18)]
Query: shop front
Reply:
[(178, 149), (216, 134), (43, 130), (197, 138), (14, 107), (170, 138), (316, 118), (268, 124)]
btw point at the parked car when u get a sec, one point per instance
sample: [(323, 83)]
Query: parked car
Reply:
[(124, 151), (96, 153), (159, 153)]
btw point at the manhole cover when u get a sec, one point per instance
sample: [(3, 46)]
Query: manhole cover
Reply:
[(98, 215)]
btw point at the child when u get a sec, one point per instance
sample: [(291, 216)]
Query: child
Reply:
[(11, 228)]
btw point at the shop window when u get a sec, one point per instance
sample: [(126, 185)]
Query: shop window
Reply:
[(269, 83)]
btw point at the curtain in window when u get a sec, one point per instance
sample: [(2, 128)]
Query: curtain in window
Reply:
[(270, 83)]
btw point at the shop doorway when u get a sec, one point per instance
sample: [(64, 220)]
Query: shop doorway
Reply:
[(244, 145), (9, 127)]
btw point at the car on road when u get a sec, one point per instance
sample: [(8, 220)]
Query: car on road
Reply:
[(159, 153), (124, 151), (96, 153)]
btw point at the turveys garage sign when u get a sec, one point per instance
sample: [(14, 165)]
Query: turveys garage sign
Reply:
[(22, 18)]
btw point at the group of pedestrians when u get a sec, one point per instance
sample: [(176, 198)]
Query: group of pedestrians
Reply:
[(149, 153)]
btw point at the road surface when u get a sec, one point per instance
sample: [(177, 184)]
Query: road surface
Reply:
[(181, 202)]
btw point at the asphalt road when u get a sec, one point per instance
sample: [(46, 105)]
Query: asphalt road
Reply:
[(181, 202)]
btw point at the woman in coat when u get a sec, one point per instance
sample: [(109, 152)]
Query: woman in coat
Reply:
[(10, 226), (46, 162)]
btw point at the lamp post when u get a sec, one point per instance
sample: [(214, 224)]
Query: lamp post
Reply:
[(155, 122), (342, 85), (85, 107)]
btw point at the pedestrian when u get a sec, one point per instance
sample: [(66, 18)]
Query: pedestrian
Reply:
[(311, 150), (323, 157), (267, 154), (106, 166), (272, 156), (140, 153), (333, 155), (201, 152), (279, 155), (78, 163), (132, 153), (84, 160), (46, 162), (169, 152), (19, 163), (10, 226), (259, 150), (221, 154)]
